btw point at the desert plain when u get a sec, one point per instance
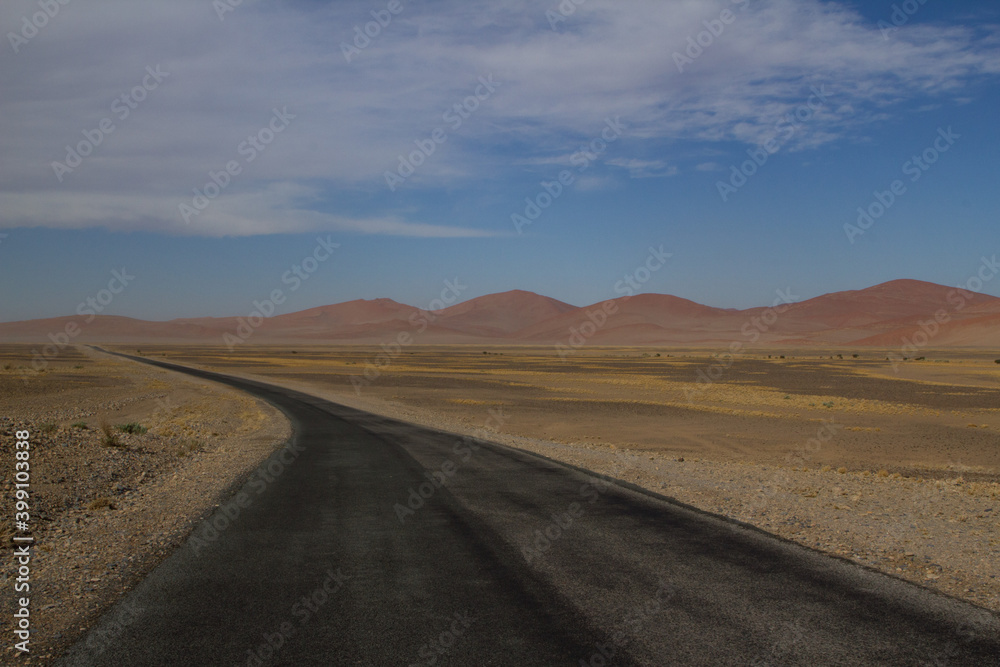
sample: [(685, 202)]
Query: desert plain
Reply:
[(891, 464)]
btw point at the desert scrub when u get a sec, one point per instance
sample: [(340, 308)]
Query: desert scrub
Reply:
[(109, 438), (80, 425), (48, 427), (189, 446), (132, 427), (100, 503)]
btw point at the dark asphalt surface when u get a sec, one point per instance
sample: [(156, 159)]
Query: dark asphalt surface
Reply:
[(316, 557)]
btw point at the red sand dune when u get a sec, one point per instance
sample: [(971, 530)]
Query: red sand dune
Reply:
[(888, 315)]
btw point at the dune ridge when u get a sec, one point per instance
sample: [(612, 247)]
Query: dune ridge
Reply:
[(891, 314)]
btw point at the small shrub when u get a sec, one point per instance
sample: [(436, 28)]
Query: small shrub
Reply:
[(883, 473), (48, 427), (997, 361), (132, 427), (189, 446), (80, 425), (100, 503), (108, 436), (842, 470)]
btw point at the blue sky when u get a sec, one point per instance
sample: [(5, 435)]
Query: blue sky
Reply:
[(330, 123)]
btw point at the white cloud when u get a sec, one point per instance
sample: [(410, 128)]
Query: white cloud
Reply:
[(645, 168), (279, 208), (353, 120)]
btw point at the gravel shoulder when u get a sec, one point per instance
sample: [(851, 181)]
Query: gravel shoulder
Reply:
[(107, 508)]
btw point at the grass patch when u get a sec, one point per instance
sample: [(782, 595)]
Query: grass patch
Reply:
[(48, 427), (80, 425), (132, 427)]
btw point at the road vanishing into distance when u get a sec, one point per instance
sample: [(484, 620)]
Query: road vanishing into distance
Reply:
[(369, 541)]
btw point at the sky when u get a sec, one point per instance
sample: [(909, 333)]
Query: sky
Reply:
[(212, 152)]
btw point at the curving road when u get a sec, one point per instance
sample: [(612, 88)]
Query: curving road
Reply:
[(368, 541)]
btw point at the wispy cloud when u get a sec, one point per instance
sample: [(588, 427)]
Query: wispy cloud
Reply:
[(353, 120), (280, 207), (645, 168)]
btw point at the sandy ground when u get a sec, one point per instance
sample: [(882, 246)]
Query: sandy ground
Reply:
[(105, 512), (896, 469)]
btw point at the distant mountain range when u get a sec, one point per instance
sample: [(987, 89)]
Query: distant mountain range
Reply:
[(890, 315)]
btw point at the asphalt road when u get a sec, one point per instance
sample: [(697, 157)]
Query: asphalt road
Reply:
[(368, 541)]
